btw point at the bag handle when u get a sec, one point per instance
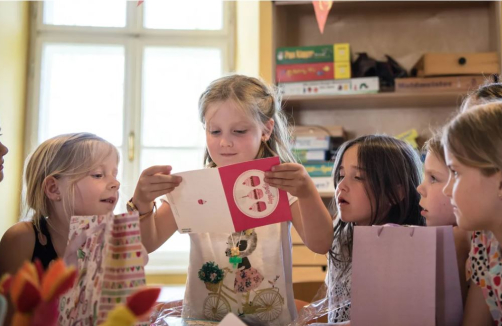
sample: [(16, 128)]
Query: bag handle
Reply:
[(380, 229)]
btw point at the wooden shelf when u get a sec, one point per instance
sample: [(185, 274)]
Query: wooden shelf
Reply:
[(327, 194), (379, 100)]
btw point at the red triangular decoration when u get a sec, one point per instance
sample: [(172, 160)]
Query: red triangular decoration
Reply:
[(322, 9)]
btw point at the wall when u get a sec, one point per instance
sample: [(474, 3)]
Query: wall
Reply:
[(254, 38), (14, 35)]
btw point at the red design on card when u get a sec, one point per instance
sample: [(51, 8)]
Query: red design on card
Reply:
[(245, 209)]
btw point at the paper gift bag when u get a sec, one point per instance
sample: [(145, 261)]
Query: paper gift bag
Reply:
[(111, 266), (405, 276)]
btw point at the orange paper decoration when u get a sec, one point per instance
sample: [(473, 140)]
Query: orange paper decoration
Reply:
[(322, 9)]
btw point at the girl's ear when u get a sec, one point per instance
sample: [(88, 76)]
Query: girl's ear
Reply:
[(267, 130), (51, 189)]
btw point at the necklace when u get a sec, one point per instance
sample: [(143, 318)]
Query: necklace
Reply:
[(234, 252), (58, 247), (62, 234)]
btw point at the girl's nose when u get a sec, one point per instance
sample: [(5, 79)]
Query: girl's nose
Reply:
[(421, 189), (226, 142), (3, 149), (448, 188), (342, 185), (115, 184)]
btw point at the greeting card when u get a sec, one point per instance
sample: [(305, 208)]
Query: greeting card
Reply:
[(232, 198)]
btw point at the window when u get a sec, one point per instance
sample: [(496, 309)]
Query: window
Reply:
[(132, 75)]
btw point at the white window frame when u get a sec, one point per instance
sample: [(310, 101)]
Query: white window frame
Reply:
[(134, 38)]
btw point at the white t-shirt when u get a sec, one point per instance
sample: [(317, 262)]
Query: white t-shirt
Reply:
[(258, 288)]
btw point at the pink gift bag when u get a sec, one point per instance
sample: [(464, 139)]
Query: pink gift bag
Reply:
[(111, 267), (405, 276)]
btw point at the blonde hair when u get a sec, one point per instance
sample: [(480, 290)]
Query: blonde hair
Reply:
[(474, 138), (433, 145), (487, 93), (70, 155), (257, 100)]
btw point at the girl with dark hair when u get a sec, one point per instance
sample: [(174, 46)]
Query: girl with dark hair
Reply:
[(376, 177)]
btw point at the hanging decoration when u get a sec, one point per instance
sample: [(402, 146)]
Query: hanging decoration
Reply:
[(322, 9)]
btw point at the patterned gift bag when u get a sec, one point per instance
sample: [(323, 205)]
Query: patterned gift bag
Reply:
[(110, 264)]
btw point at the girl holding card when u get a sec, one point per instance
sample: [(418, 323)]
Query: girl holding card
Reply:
[(243, 121)]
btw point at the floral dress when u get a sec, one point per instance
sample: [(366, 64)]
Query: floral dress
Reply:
[(484, 268)]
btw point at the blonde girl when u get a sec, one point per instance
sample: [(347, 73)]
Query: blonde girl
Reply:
[(473, 152), (243, 121), (72, 174), (436, 207)]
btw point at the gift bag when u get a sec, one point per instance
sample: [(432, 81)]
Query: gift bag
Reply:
[(110, 263), (405, 276)]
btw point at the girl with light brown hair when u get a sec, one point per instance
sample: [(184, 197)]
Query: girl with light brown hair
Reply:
[(473, 153), (243, 120)]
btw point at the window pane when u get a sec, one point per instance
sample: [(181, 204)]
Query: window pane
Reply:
[(183, 15), (98, 13), (82, 89), (180, 159), (173, 79)]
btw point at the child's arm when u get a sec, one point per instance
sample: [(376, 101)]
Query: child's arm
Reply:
[(310, 217), (16, 247), (155, 228), (462, 247), (476, 310)]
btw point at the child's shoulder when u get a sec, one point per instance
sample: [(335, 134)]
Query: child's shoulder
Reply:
[(20, 232), (16, 246)]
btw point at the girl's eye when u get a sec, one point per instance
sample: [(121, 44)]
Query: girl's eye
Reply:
[(214, 132), (340, 178), (97, 175), (240, 131), (358, 178), (433, 179)]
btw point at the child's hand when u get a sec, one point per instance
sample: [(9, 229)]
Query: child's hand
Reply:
[(154, 182), (291, 177)]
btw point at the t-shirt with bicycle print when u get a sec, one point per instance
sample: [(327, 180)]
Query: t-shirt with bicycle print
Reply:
[(248, 273)]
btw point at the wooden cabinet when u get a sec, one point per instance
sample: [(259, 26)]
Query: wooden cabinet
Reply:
[(404, 30), (307, 265)]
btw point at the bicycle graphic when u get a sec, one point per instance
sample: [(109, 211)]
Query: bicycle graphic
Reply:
[(266, 304)]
